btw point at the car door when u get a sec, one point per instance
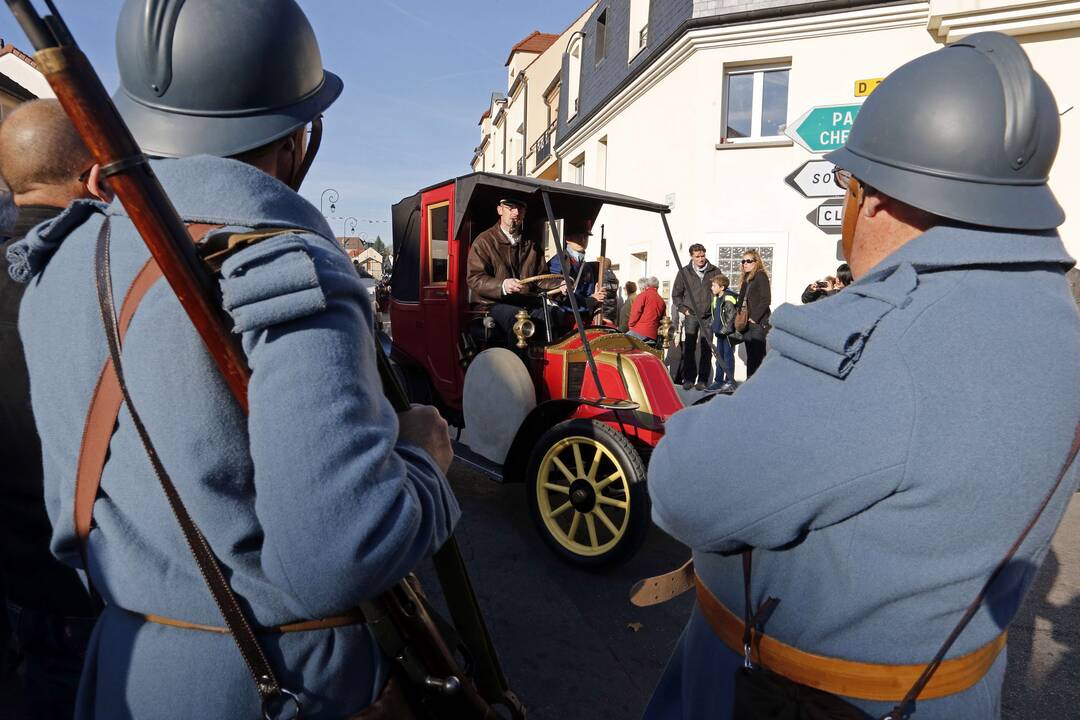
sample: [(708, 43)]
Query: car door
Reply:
[(440, 280)]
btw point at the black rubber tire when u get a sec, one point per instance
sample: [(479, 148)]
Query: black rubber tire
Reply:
[(622, 452)]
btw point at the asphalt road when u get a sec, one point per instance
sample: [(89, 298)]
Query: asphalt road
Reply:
[(571, 643), (568, 648)]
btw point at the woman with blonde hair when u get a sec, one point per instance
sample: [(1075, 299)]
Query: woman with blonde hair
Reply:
[(756, 294)]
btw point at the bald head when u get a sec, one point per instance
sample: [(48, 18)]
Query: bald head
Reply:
[(41, 155)]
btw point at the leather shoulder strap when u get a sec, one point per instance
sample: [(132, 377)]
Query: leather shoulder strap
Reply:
[(103, 412), (900, 711), (106, 401)]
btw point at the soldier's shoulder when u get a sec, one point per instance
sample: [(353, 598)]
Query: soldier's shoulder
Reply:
[(284, 276), (832, 334)]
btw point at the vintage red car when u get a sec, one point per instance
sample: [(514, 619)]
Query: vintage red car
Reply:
[(574, 417)]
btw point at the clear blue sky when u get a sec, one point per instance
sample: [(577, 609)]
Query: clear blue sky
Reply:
[(418, 74)]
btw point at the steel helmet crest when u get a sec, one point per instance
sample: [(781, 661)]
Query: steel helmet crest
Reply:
[(968, 132)]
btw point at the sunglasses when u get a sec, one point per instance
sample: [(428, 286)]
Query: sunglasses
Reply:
[(748, 262)]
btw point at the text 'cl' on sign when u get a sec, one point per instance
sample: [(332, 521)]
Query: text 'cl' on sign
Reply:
[(828, 217), (823, 128), (814, 179)]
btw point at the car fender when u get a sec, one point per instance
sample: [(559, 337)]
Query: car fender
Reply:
[(542, 417)]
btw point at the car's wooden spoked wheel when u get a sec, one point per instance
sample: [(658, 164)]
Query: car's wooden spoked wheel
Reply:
[(583, 495), (586, 493)]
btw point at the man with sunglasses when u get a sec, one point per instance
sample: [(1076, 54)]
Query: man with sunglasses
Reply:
[(876, 529), (322, 497)]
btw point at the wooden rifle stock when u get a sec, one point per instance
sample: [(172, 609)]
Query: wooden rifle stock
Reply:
[(398, 615)]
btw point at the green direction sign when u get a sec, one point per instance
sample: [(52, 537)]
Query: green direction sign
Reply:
[(824, 127)]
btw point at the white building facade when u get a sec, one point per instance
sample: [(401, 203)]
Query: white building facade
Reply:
[(695, 117), (518, 128)]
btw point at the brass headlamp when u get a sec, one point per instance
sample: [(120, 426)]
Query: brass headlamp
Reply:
[(524, 328)]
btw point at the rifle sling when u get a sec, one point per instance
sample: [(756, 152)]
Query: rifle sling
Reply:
[(266, 682)]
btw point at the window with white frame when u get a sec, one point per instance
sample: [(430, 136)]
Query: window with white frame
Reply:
[(577, 172), (601, 37), (601, 163), (573, 78), (639, 26), (755, 103)]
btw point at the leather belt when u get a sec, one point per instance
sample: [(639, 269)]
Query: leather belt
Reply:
[(353, 617), (865, 681)]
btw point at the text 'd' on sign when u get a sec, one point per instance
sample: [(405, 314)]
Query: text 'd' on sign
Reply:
[(865, 87), (823, 128), (828, 217), (814, 179)]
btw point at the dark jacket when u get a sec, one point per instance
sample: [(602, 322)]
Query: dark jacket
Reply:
[(493, 259), (694, 293), (584, 274), (813, 292), (758, 294), (723, 309), (32, 577)]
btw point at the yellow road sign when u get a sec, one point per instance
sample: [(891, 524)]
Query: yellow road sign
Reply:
[(865, 87)]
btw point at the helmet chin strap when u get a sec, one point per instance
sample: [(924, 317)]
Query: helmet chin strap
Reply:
[(306, 156)]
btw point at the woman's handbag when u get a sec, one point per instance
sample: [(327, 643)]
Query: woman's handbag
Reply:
[(761, 694), (742, 315)]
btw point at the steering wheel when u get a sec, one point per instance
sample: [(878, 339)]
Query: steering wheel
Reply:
[(546, 277)]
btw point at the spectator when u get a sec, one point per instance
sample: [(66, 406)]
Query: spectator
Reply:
[(723, 314), (588, 291), (645, 314), (756, 294), (692, 298), (46, 166), (829, 286), (624, 311)]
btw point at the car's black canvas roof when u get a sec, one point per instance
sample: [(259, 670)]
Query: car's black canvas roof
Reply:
[(475, 197)]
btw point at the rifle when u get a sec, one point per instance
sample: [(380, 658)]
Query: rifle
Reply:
[(606, 309), (401, 620)]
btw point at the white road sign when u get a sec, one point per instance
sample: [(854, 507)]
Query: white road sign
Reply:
[(814, 179), (828, 217)]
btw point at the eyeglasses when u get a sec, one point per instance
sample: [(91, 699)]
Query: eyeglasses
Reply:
[(842, 178), (748, 262), (85, 175)]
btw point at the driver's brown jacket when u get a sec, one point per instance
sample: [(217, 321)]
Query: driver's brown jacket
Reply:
[(493, 259)]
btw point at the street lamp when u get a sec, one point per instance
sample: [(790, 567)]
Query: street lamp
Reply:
[(334, 197), (345, 224)]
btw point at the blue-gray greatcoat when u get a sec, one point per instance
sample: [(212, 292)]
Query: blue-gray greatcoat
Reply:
[(881, 462), (312, 503)]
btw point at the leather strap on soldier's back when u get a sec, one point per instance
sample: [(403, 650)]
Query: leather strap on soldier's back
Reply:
[(105, 403), (849, 678)]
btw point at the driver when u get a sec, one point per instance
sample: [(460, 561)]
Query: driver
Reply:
[(499, 258)]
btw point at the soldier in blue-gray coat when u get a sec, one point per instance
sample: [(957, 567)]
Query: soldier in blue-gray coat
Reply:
[(322, 497), (876, 529)]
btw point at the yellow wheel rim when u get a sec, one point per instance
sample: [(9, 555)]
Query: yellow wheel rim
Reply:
[(583, 495)]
